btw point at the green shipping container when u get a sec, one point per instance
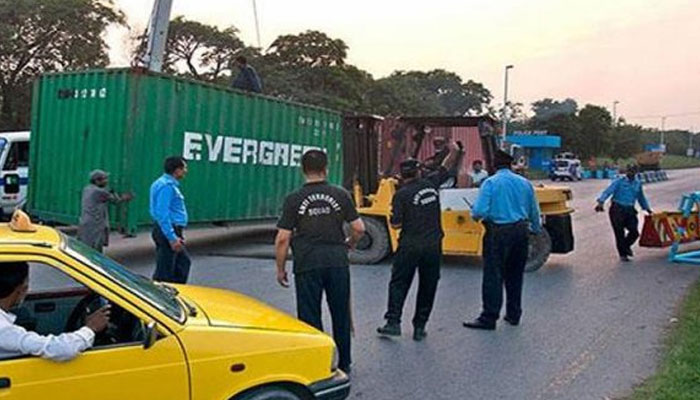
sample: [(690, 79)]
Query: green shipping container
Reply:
[(243, 150)]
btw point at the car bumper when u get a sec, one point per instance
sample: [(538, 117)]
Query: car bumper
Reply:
[(336, 387)]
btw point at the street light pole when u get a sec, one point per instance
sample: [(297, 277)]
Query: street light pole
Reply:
[(615, 103), (505, 106)]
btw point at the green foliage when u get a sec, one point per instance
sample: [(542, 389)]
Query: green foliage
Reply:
[(308, 49), (627, 141), (39, 36), (596, 127), (546, 109), (199, 51)]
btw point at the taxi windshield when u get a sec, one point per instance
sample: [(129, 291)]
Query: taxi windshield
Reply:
[(161, 297)]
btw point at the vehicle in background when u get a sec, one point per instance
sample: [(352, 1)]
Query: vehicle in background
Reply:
[(565, 166), (463, 235), (14, 177), (649, 160)]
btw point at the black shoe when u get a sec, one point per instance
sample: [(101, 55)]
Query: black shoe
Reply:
[(512, 321), (630, 253), (480, 324), (625, 259), (390, 329), (419, 334)]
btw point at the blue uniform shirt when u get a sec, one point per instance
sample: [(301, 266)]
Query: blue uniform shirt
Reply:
[(167, 205), (625, 192), (506, 198)]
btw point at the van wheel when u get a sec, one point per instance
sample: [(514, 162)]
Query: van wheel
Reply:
[(539, 248), (374, 245), (270, 393)]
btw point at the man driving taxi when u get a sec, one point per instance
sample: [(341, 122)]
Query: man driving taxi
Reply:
[(15, 341)]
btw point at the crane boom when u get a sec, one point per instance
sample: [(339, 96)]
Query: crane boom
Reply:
[(157, 35)]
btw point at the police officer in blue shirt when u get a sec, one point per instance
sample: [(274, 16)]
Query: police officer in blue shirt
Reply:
[(626, 191), (167, 208), (509, 210)]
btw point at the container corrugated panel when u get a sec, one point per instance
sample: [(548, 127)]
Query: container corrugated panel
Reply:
[(243, 150), (469, 136), (398, 144)]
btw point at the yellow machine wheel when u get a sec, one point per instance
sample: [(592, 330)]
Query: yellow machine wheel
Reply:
[(539, 248), (374, 245)]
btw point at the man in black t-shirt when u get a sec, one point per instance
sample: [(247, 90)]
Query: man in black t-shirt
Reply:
[(312, 221), (416, 211)]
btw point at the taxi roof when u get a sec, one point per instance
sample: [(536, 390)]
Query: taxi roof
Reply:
[(43, 234)]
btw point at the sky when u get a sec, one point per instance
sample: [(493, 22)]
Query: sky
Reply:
[(643, 53)]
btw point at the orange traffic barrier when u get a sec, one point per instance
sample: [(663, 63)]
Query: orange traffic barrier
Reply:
[(661, 229)]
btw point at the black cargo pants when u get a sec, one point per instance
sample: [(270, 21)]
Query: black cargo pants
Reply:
[(426, 258), (505, 256), (171, 266), (626, 227), (335, 282)]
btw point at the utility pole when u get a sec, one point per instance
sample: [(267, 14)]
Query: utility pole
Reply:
[(615, 103), (505, 106), (663, 128)]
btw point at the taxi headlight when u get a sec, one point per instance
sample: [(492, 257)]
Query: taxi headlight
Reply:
[(335, 359)]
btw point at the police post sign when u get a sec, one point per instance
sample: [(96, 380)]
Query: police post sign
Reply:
[(238, 150)]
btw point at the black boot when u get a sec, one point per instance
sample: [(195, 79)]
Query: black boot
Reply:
[(390, 329), (419, 334)]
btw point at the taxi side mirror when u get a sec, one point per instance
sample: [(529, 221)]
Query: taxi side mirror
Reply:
[(150, 335)]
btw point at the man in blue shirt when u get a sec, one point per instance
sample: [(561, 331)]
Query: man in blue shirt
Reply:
[(509, 210), (626, 191), (247, 78), (167, 207)]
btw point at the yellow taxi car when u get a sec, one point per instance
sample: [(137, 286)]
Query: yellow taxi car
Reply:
[(163, 342)]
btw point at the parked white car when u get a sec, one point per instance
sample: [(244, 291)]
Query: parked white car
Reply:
[(14, 177), (565, 167)]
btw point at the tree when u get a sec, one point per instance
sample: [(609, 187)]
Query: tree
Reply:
[(596, 126), (437, 92), (41, 36), (308, 49), (627, 140), (200, 51), (547, 108)]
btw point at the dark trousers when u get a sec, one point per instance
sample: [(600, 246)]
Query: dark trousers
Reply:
[(505, 256), (171, 266), (625, 225), (335, 282), (426, 259)]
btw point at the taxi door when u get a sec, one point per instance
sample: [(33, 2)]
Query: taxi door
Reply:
[(120, 372)]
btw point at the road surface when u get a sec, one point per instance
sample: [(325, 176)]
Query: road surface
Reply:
[(592, 326)]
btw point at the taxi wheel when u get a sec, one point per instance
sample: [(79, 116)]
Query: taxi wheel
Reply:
[(270, 393), (374, 245), (539, 248)]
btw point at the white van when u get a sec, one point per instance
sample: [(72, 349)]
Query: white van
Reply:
[(565, 166), (14, 177)]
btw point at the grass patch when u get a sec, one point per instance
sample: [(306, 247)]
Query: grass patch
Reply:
[(669, 161), (678, 376), (677, 162)]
